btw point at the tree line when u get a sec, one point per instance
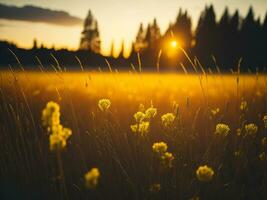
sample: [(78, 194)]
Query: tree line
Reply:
[(224, 43), (214, 44)]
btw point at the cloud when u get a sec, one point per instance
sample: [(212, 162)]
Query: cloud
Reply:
[(32, 13)]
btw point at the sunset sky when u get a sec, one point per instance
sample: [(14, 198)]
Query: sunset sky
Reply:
[(117, 19)]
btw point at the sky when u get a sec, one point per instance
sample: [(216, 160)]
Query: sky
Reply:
[(117, 19)]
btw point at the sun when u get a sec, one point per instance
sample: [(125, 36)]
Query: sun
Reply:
[(173, 43)]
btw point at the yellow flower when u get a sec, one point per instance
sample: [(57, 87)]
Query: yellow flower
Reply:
[(150, 112), (222, 129), (139, 116), (263, 156), (141, 128), (167, 119), (167, 159), (134, 128), (243, 106), (204, 173), (160, 147), (57, 142), (51, 114), (104, 104), (58, 134), (215, 111), (92, 178), (251, 129), (265, 121), (155, 188), (66, 133)]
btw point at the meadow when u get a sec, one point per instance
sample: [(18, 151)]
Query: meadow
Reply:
[(145, 135)]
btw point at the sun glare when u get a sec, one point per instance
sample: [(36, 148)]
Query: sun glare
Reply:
[(173, 43)]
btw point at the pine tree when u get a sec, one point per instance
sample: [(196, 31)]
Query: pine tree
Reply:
[(35, 44), (111, 54), (155, 34), (90, 39), (206, 34), (121, 55), (140, 42)]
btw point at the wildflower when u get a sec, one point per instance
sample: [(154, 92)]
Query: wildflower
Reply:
[(104, 104), (57, 142), (263, 156), (167, 159), (244, 106), (167, 119), (214, 112), (141, 128), (155, 188), (66, 133), (251, 129), (58, 134), (265, 121), (150, 113), (139, 116), (204, 173), (92, 178), (51, 114), (222, 129), (160, 147)]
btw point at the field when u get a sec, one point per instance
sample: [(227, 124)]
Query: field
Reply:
[(215, 120)]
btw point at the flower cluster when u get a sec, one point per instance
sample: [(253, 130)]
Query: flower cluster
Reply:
[(244, 106), (160, 147), (139, 116), (142, 120), (251, 129), (167, 119), (104, 104), (92, 178), (141, 128), (51, 120), (150, 112), (263, 156), (215, 111), (222, 129), (166, 158), (51, 115), (204, 173), (155, 188)]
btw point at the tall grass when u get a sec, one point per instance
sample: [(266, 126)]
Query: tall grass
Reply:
[(126, 161)]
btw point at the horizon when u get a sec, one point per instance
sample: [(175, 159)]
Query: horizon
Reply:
[(67, 35)]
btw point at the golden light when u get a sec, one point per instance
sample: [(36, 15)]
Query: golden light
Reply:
[(173, 43)]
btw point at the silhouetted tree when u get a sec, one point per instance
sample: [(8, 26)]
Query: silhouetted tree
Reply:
[(111, 54), (35, 45), (90, 39), (206, 35), (250, 36), (154, 34), (121, 54), (140, 42)]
